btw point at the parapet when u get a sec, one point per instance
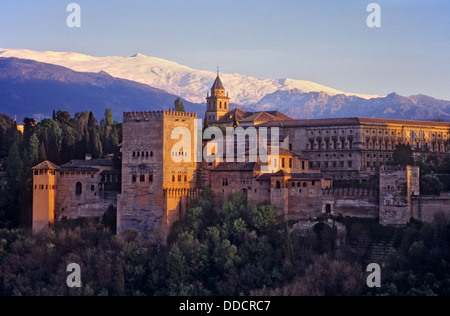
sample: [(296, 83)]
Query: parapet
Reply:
[(146, 116), (350, 192)]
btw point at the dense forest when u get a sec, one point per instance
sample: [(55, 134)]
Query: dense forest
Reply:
[(237, 249), (58, 139)]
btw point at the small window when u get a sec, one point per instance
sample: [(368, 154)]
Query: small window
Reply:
[(185, 178), (78, 188), (142, 178), (150, 178), (304, 184), (278, 185), (173, 178), (133, 178), (179, 178), (92, 188)]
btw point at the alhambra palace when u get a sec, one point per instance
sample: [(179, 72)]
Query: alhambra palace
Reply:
[(151, 192)]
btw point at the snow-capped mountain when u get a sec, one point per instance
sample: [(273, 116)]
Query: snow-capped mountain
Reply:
[(315, 105), (174, 78), (34, 82)]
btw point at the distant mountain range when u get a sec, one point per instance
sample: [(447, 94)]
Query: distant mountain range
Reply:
[(321, 105), (33, 89), (34, 83)]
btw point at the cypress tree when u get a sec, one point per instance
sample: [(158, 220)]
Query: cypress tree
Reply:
[(179, 106)]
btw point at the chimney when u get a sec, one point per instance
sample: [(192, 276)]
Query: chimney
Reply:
[(88, 157)]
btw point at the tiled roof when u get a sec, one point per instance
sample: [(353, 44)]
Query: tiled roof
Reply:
[(305, 176), (238, 166), (46, 165), (217, 84), (351, 121), (79, 169), (89, 163)]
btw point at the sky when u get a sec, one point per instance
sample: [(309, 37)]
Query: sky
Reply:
[(325, 41)]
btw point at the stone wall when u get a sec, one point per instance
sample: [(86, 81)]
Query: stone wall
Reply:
[(397, 186), (149, 170), (425, 208), (90, 203)]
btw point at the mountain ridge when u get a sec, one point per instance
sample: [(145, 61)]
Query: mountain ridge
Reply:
[(189, 83), (30, 88), (100, 88)]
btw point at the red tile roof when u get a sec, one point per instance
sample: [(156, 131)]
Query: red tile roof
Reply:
[(46, 165)]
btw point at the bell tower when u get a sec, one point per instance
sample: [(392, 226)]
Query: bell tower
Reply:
[(218, 103)]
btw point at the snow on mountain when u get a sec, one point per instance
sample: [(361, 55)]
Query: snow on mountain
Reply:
[(174, 78)]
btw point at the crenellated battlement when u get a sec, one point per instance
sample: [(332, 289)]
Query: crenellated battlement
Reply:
[(350, 192), (146, 116)]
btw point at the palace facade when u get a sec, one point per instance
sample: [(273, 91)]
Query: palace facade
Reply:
[(157, 180)]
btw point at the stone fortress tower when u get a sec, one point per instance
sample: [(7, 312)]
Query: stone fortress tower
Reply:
[(156, 190), (44, 195)]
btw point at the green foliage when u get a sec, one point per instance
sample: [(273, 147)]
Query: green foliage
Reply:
[(430, 185), (179, 106), (403, 155)]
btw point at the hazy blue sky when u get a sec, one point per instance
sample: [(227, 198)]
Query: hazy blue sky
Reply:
[(326, 41)]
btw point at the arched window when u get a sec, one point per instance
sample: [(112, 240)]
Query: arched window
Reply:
[(304, 184), (173, 178), (78, 188), (185, 178), (133, 178), (220, 104), (278, 185)]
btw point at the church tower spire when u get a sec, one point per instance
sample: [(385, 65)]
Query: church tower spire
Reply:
[(218, 103)]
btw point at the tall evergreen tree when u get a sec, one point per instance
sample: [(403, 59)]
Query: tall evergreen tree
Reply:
[(33, 149), (179, 106), (42, 153), (108, 117)]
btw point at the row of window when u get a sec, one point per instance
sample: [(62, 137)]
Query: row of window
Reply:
[(75, 175), (45, 187), (180, 178), (332, 164), (335, 132), (144, 154), (439, 135), (330, 145), (212, 105), (300, 184), (142, 178), (44, 172)]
